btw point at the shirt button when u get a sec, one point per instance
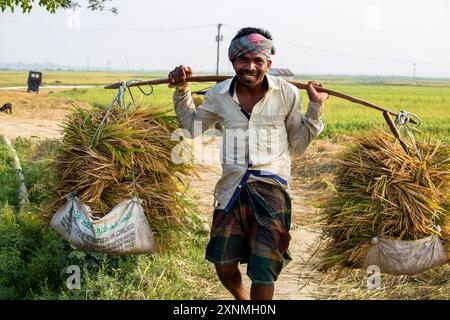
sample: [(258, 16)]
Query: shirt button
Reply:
[(239, 186)]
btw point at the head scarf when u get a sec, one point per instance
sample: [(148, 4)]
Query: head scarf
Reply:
[(252, 43)]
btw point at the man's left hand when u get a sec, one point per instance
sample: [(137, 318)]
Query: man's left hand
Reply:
[(314, 96)]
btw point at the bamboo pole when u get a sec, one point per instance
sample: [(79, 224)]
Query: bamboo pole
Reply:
[(299, 85)]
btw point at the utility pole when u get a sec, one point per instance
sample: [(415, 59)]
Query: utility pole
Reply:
[(219, 38), (414, 73)]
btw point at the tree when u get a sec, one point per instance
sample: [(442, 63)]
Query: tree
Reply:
[(53, 5)]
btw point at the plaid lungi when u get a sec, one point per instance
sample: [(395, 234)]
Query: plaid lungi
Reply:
[(254, 231)]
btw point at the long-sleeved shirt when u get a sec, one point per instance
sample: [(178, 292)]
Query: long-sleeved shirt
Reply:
[(255, 146)]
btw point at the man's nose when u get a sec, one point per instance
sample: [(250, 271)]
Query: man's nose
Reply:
[(251, 65)]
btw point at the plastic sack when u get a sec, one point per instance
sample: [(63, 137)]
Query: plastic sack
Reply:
[(125, 230), (402, 257)]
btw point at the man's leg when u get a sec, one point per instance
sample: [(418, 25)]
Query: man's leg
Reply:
[(262, 292), (231, 278), (269, 238)]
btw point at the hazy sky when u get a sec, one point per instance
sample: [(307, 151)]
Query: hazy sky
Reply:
[(372, 37)]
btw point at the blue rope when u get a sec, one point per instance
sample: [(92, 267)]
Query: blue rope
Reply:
[(119, 100), (403, 120)]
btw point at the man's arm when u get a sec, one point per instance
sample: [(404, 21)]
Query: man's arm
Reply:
[(303, 128), (187, 115)]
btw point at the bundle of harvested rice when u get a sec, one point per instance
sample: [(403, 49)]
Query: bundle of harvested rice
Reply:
[(446, 234), (382, 191), (101, 175)]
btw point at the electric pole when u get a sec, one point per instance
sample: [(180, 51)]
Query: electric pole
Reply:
[(219, 38), (414, 73)]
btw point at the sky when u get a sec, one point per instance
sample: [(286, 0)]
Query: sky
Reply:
[(353, 37)]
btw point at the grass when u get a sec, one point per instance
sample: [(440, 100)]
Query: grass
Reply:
[(34, 259), (430, 103), (33, 263), (36, 159), (8, 179)]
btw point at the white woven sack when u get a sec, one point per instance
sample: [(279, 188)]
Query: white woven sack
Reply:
[(402, 257), (125, 230)]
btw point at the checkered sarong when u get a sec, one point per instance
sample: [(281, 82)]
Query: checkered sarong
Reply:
[(254, 231)]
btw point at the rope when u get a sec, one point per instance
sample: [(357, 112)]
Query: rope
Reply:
[(403, 120), (119, 100), (132, 83)]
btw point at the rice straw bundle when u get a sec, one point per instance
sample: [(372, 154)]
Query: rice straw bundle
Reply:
[(102, 175), (383, 191)]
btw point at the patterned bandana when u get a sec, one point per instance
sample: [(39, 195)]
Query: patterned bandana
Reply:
[(252, 43)]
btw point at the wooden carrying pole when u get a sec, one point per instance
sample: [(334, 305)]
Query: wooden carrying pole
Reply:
[(222, 78), (395, 131)]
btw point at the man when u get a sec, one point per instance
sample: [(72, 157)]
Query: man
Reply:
[(262, 113)]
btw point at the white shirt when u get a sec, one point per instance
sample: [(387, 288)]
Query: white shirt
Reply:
[(256, 146)]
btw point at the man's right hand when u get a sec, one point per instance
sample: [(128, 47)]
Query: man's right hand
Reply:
[(179, 75)]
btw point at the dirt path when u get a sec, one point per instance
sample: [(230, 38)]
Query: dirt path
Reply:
[(33, 115), (299, 280), (22, 88)]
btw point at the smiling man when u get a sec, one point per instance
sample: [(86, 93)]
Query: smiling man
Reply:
[(262, 125)]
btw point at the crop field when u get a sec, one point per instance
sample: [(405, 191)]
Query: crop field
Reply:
[(28, 267), (19, 78)]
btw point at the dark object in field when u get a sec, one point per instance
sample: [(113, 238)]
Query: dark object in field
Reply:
[(6, 108), (34, 81)]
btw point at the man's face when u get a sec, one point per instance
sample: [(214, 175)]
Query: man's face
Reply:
[(251, 68)]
